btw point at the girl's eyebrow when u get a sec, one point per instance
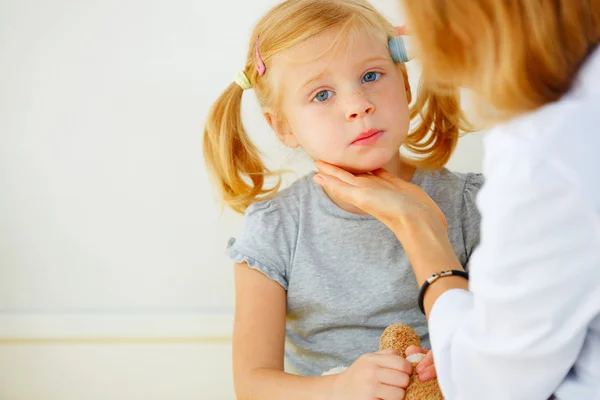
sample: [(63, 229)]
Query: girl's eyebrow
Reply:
[(376, 58), (311, 80)]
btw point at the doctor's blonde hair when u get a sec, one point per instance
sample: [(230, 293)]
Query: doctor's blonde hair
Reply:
[(518, 54), (234, 161)]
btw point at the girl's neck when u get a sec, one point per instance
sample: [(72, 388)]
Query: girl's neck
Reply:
[(396, 166)]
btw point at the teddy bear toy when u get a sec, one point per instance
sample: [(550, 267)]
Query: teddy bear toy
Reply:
[(399, 337)]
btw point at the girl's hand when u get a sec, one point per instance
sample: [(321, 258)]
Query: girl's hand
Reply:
[(396, 203), (383, 375), (425, 368)]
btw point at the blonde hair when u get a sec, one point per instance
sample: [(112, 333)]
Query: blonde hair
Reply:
[(517, 54), (231, 157)]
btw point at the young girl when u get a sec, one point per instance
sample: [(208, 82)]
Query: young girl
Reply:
[(314, 273)]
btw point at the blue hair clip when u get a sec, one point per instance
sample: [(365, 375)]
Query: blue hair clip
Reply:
[(398, 49)]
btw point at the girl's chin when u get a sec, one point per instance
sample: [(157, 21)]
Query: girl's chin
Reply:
[(367, 162), (367, 165), (360, 169)]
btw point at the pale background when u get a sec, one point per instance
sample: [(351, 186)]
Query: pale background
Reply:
[(114, 283)]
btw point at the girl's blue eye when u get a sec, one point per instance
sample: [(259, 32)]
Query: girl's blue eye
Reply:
[(371, 76), (323, 95)]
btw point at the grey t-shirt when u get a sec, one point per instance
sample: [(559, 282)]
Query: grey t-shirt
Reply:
[(347, 276)]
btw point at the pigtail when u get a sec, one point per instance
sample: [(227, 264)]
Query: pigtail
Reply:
[(438, 130), (230, 156)]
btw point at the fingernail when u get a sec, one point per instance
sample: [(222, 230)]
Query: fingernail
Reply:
[(420, 368), (425, 376), (319, 178)]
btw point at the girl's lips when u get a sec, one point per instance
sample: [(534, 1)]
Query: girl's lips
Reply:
[(370, 138)]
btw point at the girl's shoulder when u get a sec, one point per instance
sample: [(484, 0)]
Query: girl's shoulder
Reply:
[(454, 192), (456, 195), (287, 200), (267, 239), (285, 209), (443, 182)]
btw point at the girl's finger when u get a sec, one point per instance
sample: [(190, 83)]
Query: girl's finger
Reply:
[(428, 373), (412, 349), (387, 392), (426, 362), (393, 378), (393, 361)]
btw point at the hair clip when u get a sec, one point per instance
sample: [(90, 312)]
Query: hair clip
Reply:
[(400, 49), (260, 65)]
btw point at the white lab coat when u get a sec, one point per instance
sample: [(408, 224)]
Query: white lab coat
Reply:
[(529, 326)]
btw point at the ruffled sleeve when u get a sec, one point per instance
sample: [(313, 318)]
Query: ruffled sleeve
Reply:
[(471, 218), (266, 240)]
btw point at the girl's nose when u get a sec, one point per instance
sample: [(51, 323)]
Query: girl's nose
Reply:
[(359, 107)]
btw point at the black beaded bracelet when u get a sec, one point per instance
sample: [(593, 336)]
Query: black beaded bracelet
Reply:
[(435, 277)]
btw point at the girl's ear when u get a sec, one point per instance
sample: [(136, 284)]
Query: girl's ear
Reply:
[(281, 128)]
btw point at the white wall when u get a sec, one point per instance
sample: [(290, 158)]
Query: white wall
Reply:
[(113, 278)]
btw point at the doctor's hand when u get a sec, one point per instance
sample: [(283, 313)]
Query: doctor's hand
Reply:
[(400, 205)]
